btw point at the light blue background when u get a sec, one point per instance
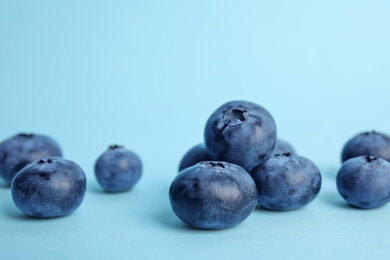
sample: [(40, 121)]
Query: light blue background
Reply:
[(147, 74)]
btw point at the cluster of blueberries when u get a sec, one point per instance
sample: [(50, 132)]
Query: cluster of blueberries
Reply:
[(242, 164), (43, 184)]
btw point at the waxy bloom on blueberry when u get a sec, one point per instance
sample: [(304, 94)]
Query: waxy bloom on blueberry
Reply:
[(213, 195), (286, 181), (364, 181), (367, 143), (196, 154), (242, 133), (49, 187), (19, 150), (118, 169)]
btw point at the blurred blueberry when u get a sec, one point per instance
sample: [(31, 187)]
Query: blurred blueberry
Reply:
[(213, 195), (286, 181), (368, 143), (242, 133), (364, 181), (118, 169), (19, 150), (49, 187), (196, 154), (283, 146)]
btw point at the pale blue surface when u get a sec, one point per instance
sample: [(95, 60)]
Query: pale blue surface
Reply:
[(147, 74)]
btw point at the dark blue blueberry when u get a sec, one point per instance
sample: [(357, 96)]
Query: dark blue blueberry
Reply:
[(283, 147), (368, 143), (118, 169), (213, 195), (19, 150), (49, 187), (286, 182), (196, 154), (364, 181), (242, 133)]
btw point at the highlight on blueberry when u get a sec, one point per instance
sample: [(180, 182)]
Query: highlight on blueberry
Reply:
[(213, 195), (49, 187), (240, 132), (364, 182), (118, 169), (368, 143), (196, 154), (286, 181), (21, 149)]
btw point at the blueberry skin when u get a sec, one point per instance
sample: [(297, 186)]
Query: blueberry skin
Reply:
[(367, 143), (283, 146), (118, 169), (213, 195), (364, 182), (49, 187), (196, 154), (19, 150), (242, 133), (286, 182)]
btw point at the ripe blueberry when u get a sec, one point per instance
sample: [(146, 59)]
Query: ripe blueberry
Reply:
[(196, 154), (19, 150), (49, 187), (242, 133), (368, 143), (364, 181), (283, 147), (213, 195), (118, 169), (286, 181)]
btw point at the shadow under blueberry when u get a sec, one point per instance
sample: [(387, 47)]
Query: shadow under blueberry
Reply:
[(334, 199), (168, 219), (261, 210)]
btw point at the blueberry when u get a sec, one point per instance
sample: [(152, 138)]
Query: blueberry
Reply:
[(19, 150), (49, 187), (283, 146), (118, 169), (196, 154), (242, 133), (286, 181), (213, 195), (368, 143), (364, 181)]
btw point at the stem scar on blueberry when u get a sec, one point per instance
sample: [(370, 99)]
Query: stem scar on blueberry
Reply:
[(283, 154), (213, 164), (115, 146), (41, 161), (369, 133), (25, 135), (235, 116), (370, 158)]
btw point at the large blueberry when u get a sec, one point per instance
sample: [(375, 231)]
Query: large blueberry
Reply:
[(242, 133), (283, 146), (286, 182), (368, 143), (196, 154), (213, 195), (118, 169), (364, 181), (19, 150), (49, 187)]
